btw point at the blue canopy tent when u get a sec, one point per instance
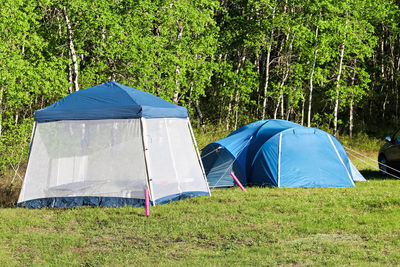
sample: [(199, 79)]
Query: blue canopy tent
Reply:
[(104, 145), (278, 153), (110, 100)]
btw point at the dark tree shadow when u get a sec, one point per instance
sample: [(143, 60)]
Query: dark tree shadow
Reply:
[(8, 196), (376, 175)]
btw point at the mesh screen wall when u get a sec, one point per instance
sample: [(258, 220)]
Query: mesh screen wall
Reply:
[(173, 164), (105, 158), (86, 158)]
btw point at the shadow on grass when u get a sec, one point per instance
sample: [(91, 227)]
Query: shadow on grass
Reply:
[(376, 175), (8, 196)]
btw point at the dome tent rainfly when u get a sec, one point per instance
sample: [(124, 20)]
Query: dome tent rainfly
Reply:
[(104, 145), (278, 153)]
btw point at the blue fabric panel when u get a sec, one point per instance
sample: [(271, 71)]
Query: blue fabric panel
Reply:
[(181, 196), (146, 99), (237, 144), (64, 202), (249, 129), (341, 150), (110, 100), (236, 141), (268, 130), (217, 165), (68, 202), (162, 112), (264, 166), (308, 159)]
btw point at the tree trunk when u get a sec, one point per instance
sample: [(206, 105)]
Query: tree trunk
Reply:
[(397, 92), (302, 110), (1, 108), (111, 62), (200, 114), (286, 75), (70, 78), (311, 82), (351, 118), (240, 63), (267, 63), (277, 107), (236, 109), (227, 121), (75, 72), (353, 77), (288, 112), (339, 76), (16, 118), (175, 98), (393, 80), (384, 105)]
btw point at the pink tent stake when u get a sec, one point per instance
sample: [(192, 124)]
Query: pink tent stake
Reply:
[(146, 197), (237, 181)]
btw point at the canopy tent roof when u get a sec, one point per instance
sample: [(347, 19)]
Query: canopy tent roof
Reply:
[(110, 100)]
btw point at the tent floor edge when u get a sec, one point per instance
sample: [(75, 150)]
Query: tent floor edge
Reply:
[(78, 201), (181, 196)]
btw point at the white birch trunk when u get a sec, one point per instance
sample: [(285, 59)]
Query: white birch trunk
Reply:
[(175, 98), (267, 63), (351, 118), (241, 61), (75, 72), (1, 108), (339, 76), (286, 75), (227, 121), (237, 98), (311, 82), (277, 107), (302, 111)]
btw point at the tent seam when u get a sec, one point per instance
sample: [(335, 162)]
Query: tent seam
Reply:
[(341, 160), (118, 86), (279, 159)]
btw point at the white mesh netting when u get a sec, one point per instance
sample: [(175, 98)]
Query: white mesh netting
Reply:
[(173, 164), (86, 158)]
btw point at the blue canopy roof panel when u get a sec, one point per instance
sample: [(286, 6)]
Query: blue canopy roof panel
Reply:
[(110, 100)]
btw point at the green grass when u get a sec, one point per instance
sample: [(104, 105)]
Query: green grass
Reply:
[(265, 226), (362, 142)]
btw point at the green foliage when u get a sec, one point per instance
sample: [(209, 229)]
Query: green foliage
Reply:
[(209, 56), (14, 144)]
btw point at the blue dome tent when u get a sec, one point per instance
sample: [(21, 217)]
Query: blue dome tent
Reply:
[(103, 146), (278, 153)]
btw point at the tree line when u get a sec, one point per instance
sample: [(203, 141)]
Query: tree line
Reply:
[(328, 63)]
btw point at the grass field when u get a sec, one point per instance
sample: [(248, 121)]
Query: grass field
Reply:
[(265, 226)]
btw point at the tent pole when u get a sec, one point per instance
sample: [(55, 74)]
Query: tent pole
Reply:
[(146, 163), (32, 136), (198, 154)]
